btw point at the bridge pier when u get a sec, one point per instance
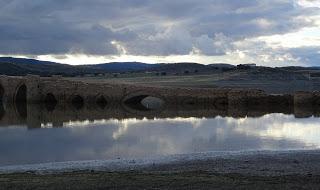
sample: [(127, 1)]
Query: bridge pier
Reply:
[(34, 87)]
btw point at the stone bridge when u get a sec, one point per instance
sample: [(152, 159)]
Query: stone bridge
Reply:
[(33, 89), (60, 91)]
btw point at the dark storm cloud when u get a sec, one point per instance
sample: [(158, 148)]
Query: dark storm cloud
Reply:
[(142, 27)]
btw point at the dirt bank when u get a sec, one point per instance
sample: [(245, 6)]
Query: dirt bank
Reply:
[(262, 170), (156, 180)]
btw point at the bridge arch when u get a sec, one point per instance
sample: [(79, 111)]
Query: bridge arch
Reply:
[(1, 93), (2, 111), (50, 101), (20, 100), (77, 101), (144, 101), (21, 94), (101, 101), (220, 103)]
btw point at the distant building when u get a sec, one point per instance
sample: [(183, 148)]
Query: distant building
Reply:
[(251, 65), (246, 66)]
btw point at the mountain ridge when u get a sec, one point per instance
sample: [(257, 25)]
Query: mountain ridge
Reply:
[(24, 66), (21, 66)]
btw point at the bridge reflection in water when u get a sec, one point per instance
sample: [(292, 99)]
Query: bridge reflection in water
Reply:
[(78, 131), (38, 115)]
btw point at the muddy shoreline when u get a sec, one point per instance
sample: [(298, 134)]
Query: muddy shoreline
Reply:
[(262, 170)]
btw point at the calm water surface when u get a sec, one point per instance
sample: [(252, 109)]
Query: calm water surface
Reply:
[(144, 138)]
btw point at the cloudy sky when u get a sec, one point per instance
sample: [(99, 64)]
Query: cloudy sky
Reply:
[(267, 32)]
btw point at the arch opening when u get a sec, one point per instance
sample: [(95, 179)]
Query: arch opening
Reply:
[(221, 104), (102, 102), (316, 102), (1, 93), (144, 103), (2, 111), (77, 102), (21, 101), (50, 102)]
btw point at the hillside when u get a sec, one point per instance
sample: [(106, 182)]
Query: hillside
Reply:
[(124, 66), (18, 66), (13, 69), (21, 66), (183, 68), (25, 61)]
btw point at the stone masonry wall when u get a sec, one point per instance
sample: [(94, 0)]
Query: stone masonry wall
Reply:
[(65, 90)]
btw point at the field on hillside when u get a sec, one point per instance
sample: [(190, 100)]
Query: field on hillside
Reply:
[(271, 82)]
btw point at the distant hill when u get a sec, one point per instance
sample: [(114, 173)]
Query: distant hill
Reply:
[(180, 67), (299, 68), (159, 67), (222, 65), (23, 61), (20, 66), (124, 66), (12, 69)]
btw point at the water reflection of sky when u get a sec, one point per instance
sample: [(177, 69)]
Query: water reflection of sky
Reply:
[(131, 138)]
